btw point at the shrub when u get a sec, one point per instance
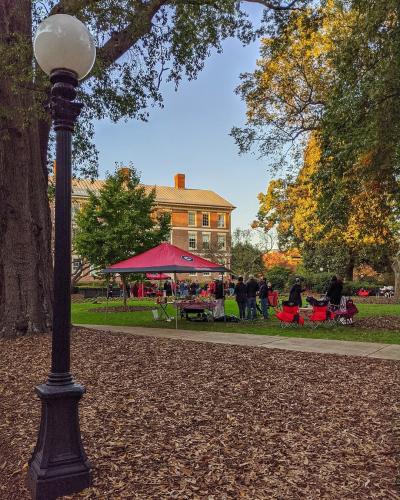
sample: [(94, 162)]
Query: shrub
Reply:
[(279, 277)]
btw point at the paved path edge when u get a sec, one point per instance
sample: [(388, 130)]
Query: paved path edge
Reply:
[(321, 346)]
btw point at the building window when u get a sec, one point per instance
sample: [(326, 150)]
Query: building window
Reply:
[(206, 241), (192, 274), (206, 219), (191, 218), (192, 241), (221, 241), (221, 220), (206, 274)]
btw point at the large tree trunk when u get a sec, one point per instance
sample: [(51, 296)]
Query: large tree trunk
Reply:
[(396, 270), (350, 268), (25, 226)]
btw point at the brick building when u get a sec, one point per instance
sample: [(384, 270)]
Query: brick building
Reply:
[(200, 218)]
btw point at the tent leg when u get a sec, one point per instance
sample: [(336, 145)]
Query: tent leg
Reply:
[(107, 292), (176, 308), (223, 291)]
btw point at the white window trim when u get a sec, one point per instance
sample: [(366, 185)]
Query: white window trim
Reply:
[(195, 218), (224, 222), (192, 233), (202, 219), (223, 235), (206, 274), (209, 241)]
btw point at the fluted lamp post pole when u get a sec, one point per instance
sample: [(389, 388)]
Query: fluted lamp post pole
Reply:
[(65, 50)]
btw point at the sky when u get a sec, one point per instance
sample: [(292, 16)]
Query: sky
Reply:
[(190, 135)]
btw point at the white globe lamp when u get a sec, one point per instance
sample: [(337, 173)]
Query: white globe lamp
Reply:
[(64, 42)]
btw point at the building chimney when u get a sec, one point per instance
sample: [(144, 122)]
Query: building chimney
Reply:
[(179, 181)]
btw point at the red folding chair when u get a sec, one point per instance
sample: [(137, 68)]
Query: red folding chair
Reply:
[(290, 315), (273, 299)]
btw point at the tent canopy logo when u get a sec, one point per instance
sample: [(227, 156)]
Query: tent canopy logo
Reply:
[(186, 257)]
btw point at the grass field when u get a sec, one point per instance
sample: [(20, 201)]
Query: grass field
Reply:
[(82, 313)]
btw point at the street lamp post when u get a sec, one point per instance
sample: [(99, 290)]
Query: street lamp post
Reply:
[(65, 50)]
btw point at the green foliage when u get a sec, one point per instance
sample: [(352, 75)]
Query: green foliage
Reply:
[(279, 277), (142, 46), (330, 78), (119, 222), (83, 314), (334, 259), (247, 258)]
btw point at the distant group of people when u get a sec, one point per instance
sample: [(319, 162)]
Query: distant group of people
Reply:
[(246, 297), (245, 293), (333, 291)]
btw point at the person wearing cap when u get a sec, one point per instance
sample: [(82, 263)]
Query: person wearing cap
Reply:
[(295, 293)]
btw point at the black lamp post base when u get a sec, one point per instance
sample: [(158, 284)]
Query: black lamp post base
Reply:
[(59, 465)]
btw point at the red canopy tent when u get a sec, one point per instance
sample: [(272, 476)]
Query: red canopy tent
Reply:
[(165, 258)]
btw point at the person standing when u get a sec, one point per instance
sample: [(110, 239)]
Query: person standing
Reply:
[(241, 297), (251, 291), (219, 310), (334, 292), (192, 289), (168, 288), (295, 293), (263, 294)]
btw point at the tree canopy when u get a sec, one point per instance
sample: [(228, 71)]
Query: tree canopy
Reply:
[(327, 87), (140, 45), (119, 221)]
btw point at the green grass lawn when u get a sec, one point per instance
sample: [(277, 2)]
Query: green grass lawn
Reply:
[(82, 313)]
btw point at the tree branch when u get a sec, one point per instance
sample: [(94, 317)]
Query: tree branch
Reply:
[(276, 6), (121, 41), (67, 7)]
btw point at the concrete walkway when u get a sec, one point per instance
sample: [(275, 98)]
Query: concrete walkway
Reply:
[(366, 349)]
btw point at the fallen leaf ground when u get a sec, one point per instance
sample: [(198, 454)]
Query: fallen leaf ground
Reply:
[(165, 419)]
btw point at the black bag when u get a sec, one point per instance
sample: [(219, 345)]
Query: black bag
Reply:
[(228, 319)]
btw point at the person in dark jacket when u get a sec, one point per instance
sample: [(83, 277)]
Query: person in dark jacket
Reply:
[(192, 288), (263, 294), (334, 292), (241, 297), (251, 290), (168, 288), (295, 293)]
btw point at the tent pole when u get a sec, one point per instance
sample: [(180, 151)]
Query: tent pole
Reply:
[(107, 292), (223, 300), (176, 308)]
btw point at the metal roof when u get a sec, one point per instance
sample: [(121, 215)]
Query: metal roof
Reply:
[(164, 194)]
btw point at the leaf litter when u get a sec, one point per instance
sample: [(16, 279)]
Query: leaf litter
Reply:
[(168, 419)]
